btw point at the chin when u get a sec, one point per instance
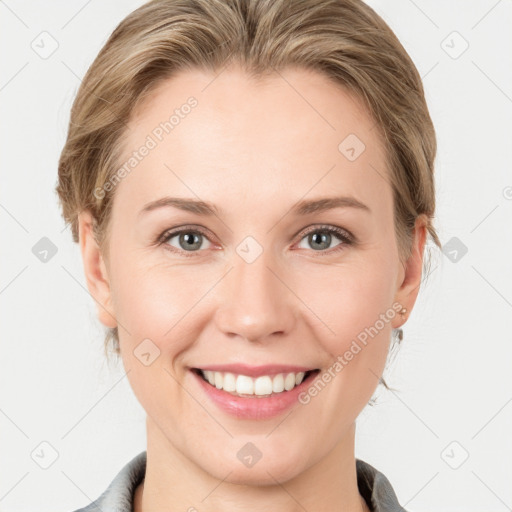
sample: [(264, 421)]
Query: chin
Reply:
[(259, 471), (261, 475)]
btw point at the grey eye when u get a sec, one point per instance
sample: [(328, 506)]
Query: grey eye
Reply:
[(319, 240), (189, 241)]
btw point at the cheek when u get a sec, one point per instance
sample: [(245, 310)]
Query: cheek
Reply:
[(165, 309), (341, 300), (355, 307), (153, 296), (156, 305), (347, 300)]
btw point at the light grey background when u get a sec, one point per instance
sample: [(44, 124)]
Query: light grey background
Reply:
[(453, 372)]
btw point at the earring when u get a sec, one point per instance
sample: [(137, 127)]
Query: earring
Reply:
[(400, 331)]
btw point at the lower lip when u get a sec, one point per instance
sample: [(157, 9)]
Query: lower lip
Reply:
[(254, 407)]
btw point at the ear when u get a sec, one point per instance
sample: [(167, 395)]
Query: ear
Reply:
[(95, 270), (411, 274)]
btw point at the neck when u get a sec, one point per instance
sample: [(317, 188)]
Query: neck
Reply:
[(173, 482)]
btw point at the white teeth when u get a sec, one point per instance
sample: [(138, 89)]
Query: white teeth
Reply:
[(210, 377), (244, 384), (289, 381), (278, 383), (229, 383), (218, 380), (261, 386)]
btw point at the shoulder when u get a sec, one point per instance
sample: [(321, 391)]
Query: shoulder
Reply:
[(119, 494), (376, 489)]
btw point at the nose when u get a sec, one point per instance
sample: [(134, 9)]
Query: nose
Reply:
[(255, 302)]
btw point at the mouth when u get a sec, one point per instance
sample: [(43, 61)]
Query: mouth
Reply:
[(263, 386)]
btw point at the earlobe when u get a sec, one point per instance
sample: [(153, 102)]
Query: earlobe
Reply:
[(408, 290), (95, 270)]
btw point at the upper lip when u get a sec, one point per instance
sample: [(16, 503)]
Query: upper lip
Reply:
[(256, 371)]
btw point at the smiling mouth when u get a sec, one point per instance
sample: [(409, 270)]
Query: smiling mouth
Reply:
[(258, 387)]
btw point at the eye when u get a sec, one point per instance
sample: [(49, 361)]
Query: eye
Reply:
[(185, 240), (192, 240), (320, 238)]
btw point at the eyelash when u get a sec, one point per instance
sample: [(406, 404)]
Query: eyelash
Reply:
[(346, 238)]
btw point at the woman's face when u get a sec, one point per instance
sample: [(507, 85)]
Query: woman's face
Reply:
[(255, 278)]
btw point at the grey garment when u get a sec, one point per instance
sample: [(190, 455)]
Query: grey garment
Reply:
[(373, 486)]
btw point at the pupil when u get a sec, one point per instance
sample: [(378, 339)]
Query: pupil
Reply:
[(190, 240), (324, 237)]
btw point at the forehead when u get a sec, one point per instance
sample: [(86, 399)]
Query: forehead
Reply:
[(221, 133)]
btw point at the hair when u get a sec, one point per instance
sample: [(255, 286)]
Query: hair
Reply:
[(345, 40)]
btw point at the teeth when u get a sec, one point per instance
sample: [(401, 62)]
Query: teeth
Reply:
[(209, 377), (278, 383), (229, 383), (218, 380), (289, 381), (263, 385), (260, 386), (244, 384)]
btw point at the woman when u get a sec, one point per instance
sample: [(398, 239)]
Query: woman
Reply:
[(251, 184)]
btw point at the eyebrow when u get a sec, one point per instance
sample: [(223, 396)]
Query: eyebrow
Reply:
[(189, 205), (304, 207)]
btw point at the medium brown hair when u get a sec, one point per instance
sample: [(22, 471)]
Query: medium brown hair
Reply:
[(345, 40)]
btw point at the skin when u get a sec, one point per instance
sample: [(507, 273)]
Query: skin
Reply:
[(254, 149)]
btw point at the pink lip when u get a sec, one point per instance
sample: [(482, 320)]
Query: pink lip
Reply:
[(253, 407), (255, 371)]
